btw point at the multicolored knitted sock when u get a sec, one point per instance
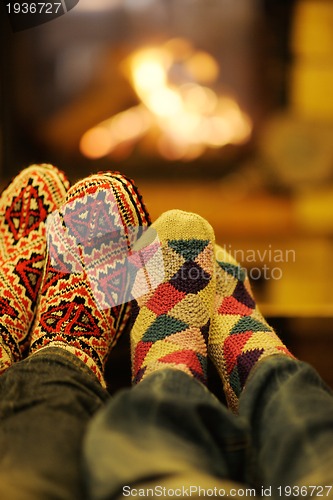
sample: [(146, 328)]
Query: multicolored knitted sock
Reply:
[(172, 323), (239, 336), (83, 304), (24, 207)]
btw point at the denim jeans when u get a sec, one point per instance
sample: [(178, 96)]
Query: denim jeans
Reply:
[(63, 437), (46, 402)]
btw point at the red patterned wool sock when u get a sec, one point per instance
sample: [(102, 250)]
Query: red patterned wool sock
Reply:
[(172, 323), (24, 207), (239, 336), (83, 305)]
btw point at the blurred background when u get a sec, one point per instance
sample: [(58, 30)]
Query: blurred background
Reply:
[(220, 107)]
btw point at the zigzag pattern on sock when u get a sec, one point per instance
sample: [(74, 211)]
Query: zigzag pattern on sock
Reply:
[(24, 207), (83, 306), (172, 323), (239, 335)]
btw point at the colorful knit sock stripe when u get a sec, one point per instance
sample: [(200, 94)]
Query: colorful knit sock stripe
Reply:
[(239, 335), (24, 207), (81, 306), (172, 323)]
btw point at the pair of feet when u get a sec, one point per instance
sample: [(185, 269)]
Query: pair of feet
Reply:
[(68, 280), (62, 253)]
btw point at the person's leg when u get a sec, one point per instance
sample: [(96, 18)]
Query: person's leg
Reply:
[(168, 429), (47, 399), (288, 407), (290, 411), (46, 402), (169, 432)]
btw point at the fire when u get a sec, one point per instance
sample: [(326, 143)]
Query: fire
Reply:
[(172, 85)]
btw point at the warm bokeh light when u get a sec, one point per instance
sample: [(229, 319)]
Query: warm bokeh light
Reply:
[(220, 131), (198, 99), (170, 148), (148, 70), (124, 127), (130, 124), (164, 102), (202, 67), (96, 143), (171, 84)]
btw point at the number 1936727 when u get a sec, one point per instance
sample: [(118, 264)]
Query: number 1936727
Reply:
[(33, 8)]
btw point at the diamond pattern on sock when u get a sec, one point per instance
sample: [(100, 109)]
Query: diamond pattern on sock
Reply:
[(24, 206), (190, 278), (239, 336), (164, 299), (71, 318), (172, 321), (81, 308), (30, 273), (26, 211)]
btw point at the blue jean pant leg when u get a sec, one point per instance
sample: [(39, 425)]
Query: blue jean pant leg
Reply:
[(290, 411), (165, 427), (46, 402)]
